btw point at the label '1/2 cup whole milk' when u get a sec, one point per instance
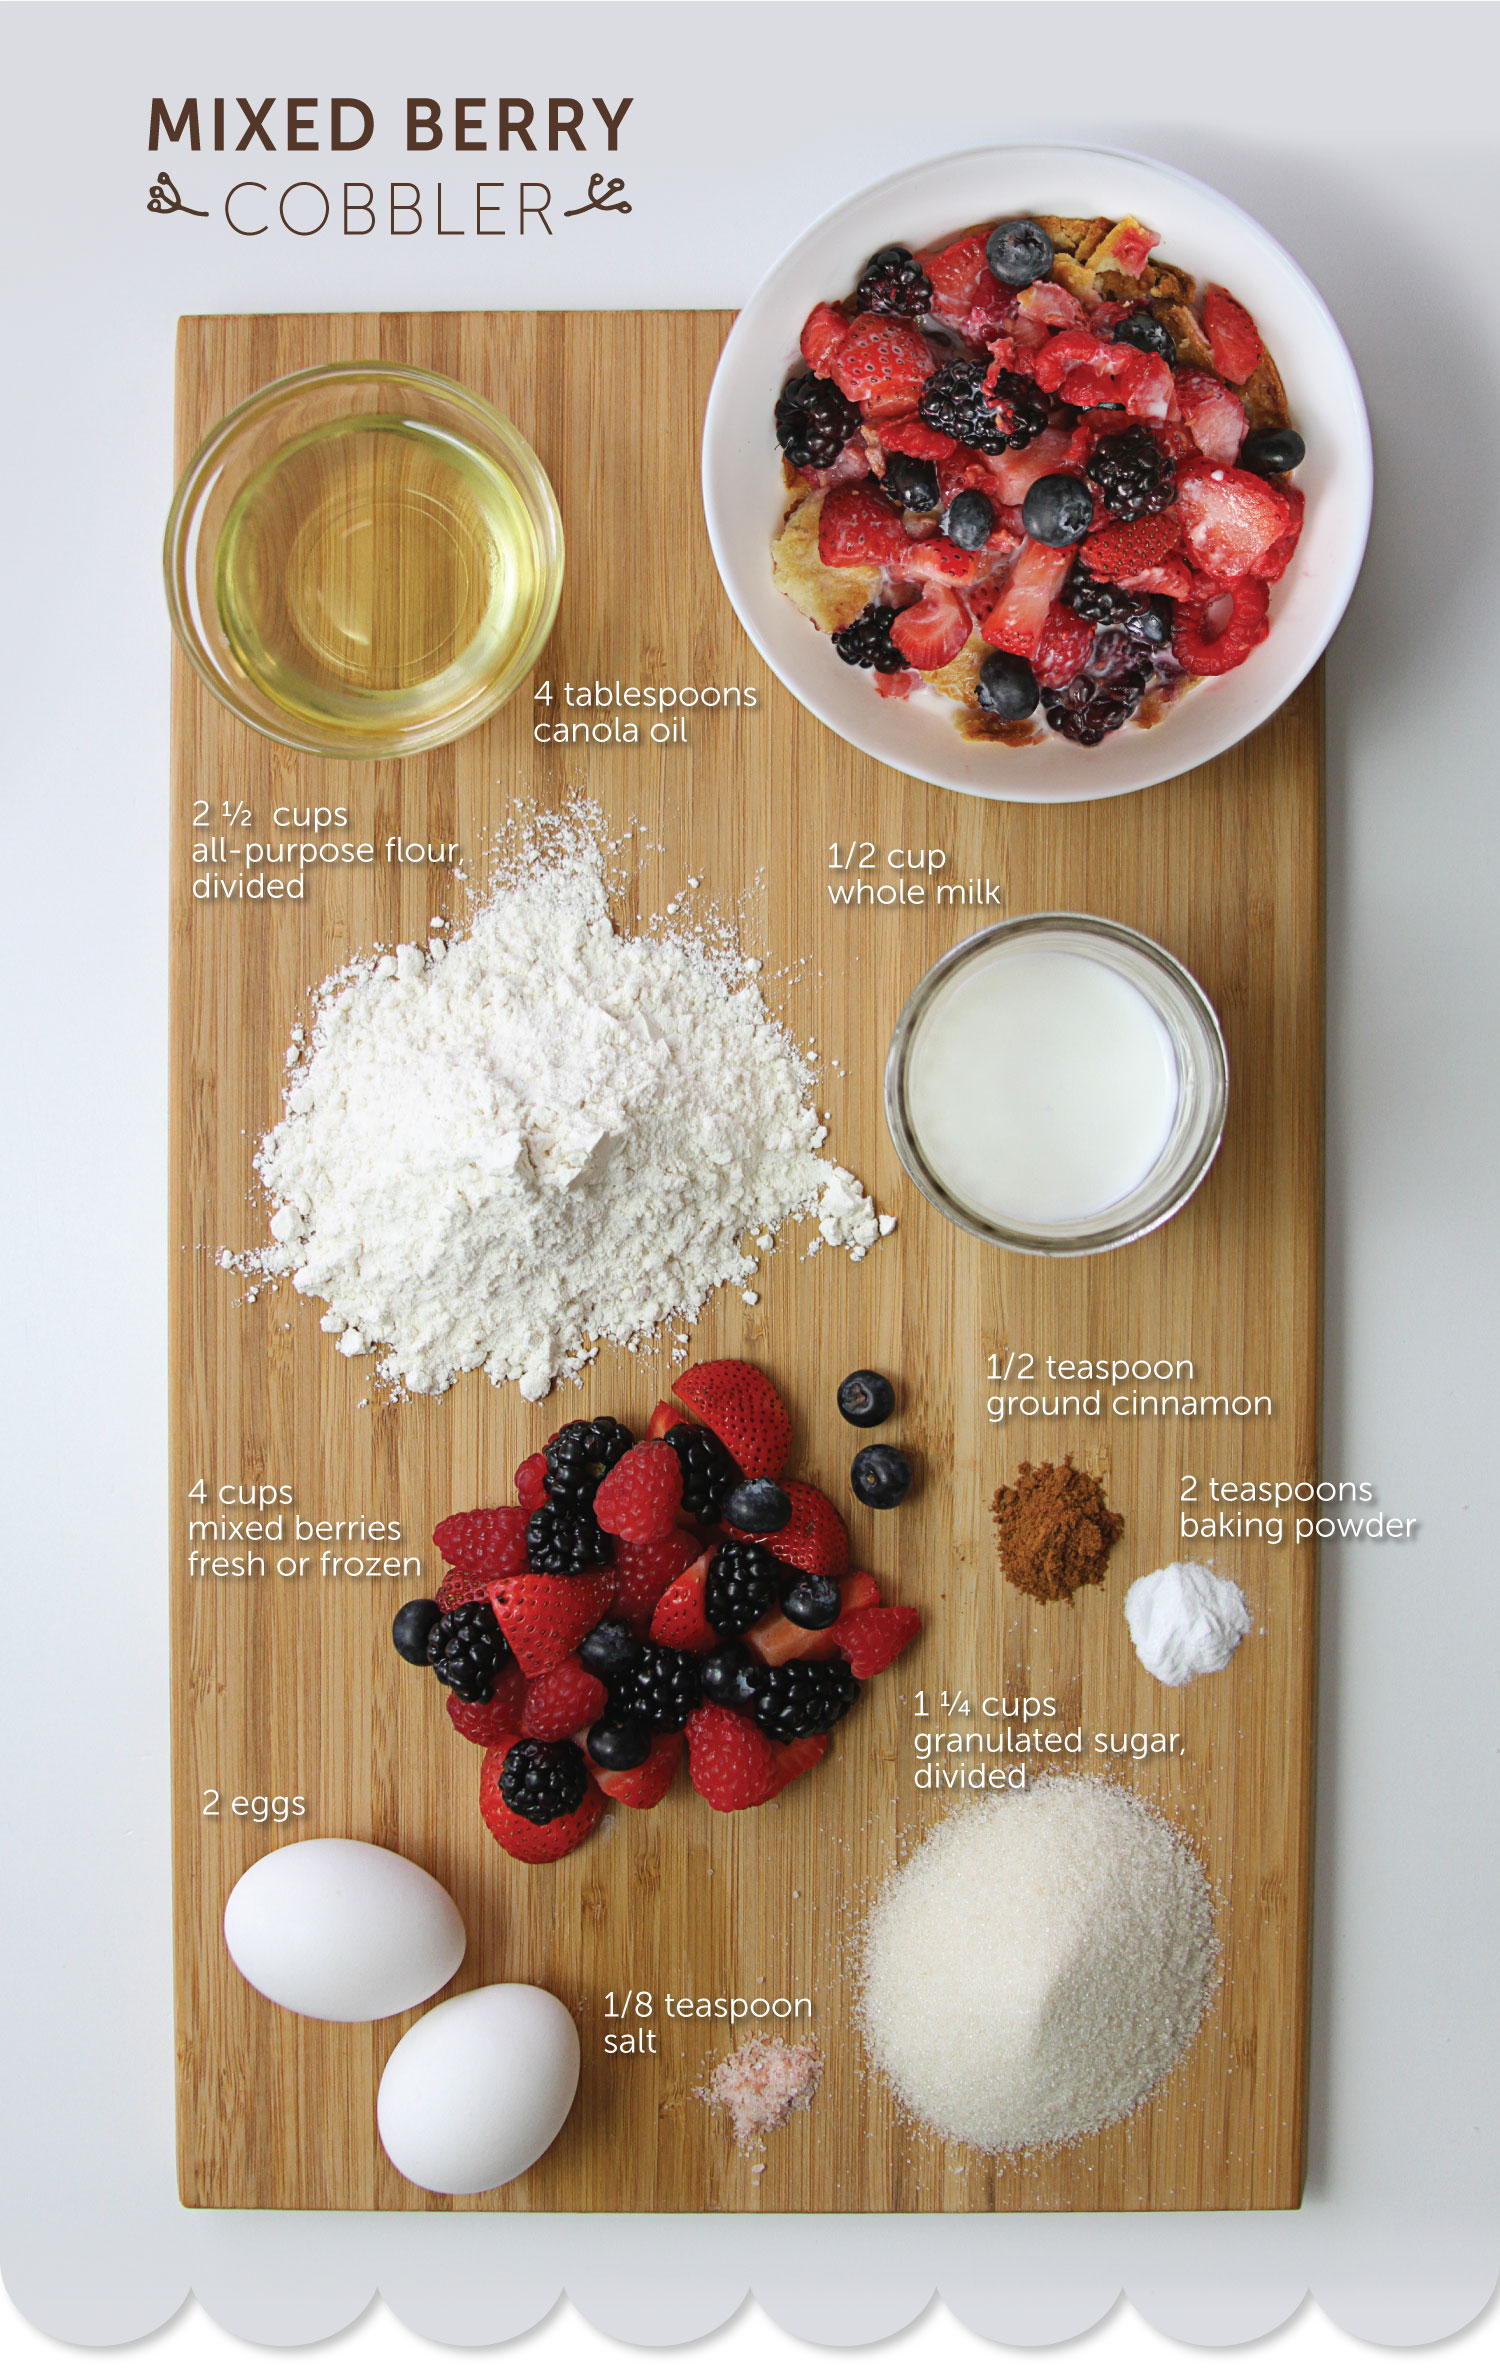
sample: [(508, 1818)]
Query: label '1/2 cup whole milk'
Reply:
[(1041, 1086)]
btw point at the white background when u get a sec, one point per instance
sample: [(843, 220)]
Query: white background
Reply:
[(1363, 137)]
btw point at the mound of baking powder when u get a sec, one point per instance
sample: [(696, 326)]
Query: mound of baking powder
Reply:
[(537, 1135)]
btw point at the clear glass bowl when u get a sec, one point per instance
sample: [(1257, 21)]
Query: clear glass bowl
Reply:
[(364, 560), (1202, 1065)]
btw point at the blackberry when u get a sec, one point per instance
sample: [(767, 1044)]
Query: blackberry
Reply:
[(1020, 410), (814, 422), (580, 1456), (1102, 605), (911, 481), (744, 1581), (866, 643), (1086, 709), (953, 401), (466, 1649), (708, 1472), (804, 1696), (1152, 337), (565, 1541), (542, 1779), (894, 282), (1132, 474), (662, 1686)]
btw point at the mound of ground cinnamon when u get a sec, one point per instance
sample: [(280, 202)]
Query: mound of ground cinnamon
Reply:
[(1056, 1529)]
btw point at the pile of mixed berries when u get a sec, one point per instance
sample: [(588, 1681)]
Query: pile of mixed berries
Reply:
[(639, 1600), (1060, 476)]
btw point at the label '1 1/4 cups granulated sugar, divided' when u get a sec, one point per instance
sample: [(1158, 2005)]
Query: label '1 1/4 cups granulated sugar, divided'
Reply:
[(1038, 1966)]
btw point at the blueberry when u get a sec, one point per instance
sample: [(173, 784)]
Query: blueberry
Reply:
[(911, 482), (1153, 625), (410, 1627), (814, 1601), (619, 1742), (1018, 252), (732, 1674), (969, 520), (758, 1506), (866, 1399), (609, 1649), (1146, 332), (1265, 450), (1058, 509), (1006, 686), (881, 1476)]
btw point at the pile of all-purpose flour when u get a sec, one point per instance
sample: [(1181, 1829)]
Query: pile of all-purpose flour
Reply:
[(537, 1135)]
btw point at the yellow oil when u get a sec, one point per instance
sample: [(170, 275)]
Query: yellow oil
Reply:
[(377, 576)]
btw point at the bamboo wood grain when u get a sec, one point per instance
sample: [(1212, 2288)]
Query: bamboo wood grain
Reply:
[(292, 1687)]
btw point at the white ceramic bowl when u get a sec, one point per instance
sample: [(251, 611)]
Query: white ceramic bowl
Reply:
[(744, 496)]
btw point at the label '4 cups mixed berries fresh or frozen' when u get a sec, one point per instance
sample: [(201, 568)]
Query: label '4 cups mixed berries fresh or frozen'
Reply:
[(643, 1605), (1039, 473)]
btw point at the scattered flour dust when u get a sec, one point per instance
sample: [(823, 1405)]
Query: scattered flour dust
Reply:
[(539, 1134), (762, 2083)]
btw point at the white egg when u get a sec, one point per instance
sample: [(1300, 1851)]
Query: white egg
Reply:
[(339, 1930), (478, 2088)]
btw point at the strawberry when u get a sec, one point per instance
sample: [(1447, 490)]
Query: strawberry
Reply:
[(1065, 643), (938, 560), (562, 1701), (647, 1784), (531, 1483), (1074, 350), (813, 1538), (881, 364), (911, 435), (896, 685), (1125, 248), (729, 1759), (744, 1410), (1018, 618), (484, 1542), (544, 1617), (857, 526), (965, 467), (794, 1757), (1013, 474), (1127, 546), (489, 1722), (933, 631), (640, 1499), (534, 1842), (1212, 650), (661, 1422), (871, 1637), (778, 1639), (992, 308), (823, 333), (1233, 340), (958, 274), (1172, 577), (679, 1621), (1229, 517), (1272, 563), (1213, 413), (457, 1588), (1052, 306), (642, 1571)]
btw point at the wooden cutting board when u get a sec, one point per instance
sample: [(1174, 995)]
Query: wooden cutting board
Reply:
[(290, 1686)]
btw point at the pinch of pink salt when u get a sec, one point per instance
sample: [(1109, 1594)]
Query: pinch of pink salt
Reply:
[(762, 2083)]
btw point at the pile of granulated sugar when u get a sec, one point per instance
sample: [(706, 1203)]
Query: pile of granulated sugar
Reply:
[(540, 1134), (1038, 1966), (762, 2083)]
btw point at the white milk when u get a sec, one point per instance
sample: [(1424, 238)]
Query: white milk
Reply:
[(1040, 1086)]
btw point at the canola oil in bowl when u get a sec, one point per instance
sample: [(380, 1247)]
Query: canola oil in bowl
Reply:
[(377, 575)]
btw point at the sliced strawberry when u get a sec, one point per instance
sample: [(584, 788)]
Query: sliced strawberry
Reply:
[(1229, 517), (1272, 564), (457, 1588), (678, 1620), (1018, 618), (496, 1720), (871, 1638), (744, 1410), (933, 631), (1075, 350), (937, 560), (1014, 474), (642, 1571), (823, 333), (729, 1759), (487, 1542), (778, 1639), (792, 1758), (531, 1482), (958, 274), (663, 1418), (544, 1617), (911, 435), (857, 526), (1213, 413), (640, 1500), (1065, 643), (647, 1784), (533, 1842), (1052, 307), (567, 1699), (1233, 340), (881, 364), (1127, 546), (1210, 638), (992, 308), (813, 1537), (1172, 577), (894, 685)]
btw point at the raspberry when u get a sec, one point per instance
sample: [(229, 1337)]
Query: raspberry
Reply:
[(531, 1482), (489, 1721), (1233, 340), (856, 526), (1065, 643), (729, 1759), (566, 1700), (881, 365), (1204, 654), (641, 1498), (871, 1637), (823, 332), (485, 1542), (1128, 546)]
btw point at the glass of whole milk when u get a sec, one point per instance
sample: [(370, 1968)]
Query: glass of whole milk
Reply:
[(1057, 1084)]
